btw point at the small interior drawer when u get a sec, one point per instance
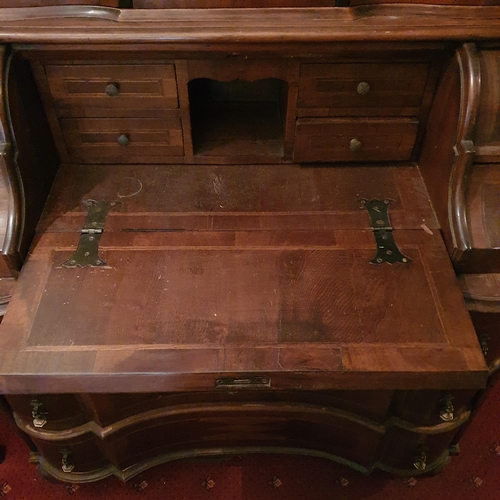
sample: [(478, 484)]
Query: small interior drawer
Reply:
[(107, 140), (94, 90), (328, 139), (363, 85)]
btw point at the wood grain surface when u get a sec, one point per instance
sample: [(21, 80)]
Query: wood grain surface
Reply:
[(204, 26), (181, 307)]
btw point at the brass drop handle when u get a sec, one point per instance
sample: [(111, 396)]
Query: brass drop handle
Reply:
[(39, 416), (420, 459), (355, 145), (112, 89), (446, 412), (66, 464), (483, 341), (123, 140), (363, 88)]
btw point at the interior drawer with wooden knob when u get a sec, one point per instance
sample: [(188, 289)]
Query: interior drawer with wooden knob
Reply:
[(394, 89), (123, 140), (112, 90), (370, 139)]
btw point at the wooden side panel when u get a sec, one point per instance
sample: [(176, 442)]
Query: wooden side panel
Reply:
[(487, 139), (483, 210), (465, 193), (29, 161)]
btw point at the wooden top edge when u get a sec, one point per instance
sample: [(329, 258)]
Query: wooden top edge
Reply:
[(74, 24), (154, 382)]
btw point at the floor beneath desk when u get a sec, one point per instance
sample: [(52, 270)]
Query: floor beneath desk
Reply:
[(474, 474)]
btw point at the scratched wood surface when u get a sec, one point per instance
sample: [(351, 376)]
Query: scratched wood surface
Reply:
[(180, 305)]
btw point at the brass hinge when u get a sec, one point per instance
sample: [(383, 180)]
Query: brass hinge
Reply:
[(387, 250), (87, 252)]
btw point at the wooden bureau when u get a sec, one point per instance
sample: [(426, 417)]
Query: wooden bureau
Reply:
[(236, 236)]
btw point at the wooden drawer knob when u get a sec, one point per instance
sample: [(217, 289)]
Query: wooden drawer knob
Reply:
[(355, 145), (123, 140), (112, 89), (363, 88)]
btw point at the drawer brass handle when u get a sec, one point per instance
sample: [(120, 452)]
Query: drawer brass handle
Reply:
[(355, 145), (112, 89), (123, 140), (446, 413), (363, 88), (420, 459), (39, 416), (66, 464)]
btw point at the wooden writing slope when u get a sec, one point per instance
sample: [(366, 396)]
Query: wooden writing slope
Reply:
[(215, 272), (242, 228)]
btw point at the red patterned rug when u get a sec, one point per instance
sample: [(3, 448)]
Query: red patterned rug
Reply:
[(474, 474)]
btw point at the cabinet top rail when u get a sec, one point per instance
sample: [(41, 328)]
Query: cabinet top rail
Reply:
[(84, 24)]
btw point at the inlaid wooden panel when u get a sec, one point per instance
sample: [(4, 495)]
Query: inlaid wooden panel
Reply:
[(369, 139), (191, 296), (97, 140), (80, 90), (290, 198), (181, 315), (363, 85), (182, 306)]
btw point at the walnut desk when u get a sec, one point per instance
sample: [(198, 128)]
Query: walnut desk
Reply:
[(238, 230)]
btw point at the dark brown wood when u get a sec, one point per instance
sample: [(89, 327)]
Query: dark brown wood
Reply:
[(367, 139), (171, 431), (487, 139), (432, 2), (80, 90), (12, 200), (201, 27), (227, 4), (220, 309), (466, 202), (36, 157), (397, 88), (238, 309), (45, 3), (28, 161), (482, 295), (97, 140)]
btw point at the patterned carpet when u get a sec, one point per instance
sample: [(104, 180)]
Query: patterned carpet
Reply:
[(474, 474)]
